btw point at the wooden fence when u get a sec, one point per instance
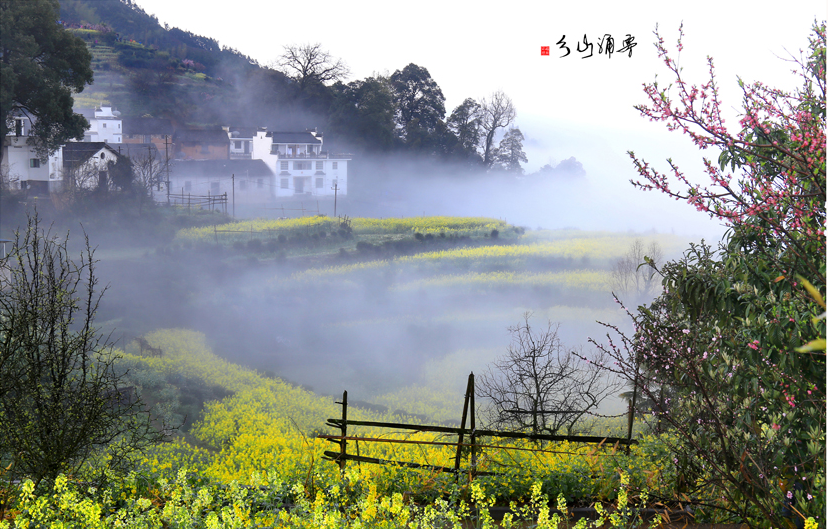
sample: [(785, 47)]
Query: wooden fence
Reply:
[(208, 201), (471, 432)]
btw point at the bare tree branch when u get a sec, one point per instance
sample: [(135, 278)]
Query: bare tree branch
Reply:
[(497, 112), (542, 387), (636, 274), (62, 401), (309, 63)]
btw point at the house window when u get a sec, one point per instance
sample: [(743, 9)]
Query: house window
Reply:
[(237, 144), (301, 166), (260, 183), (103, 156), (188, 186), (34, 163), (334, 165), (284, 182), (214, 188), (103, 125), (284, 166), (319, 182), (320, 166)]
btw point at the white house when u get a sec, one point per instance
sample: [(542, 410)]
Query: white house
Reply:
[(105, 125), (241, 142), (86, 164), (301, 167), (242, 181), (22, 168)]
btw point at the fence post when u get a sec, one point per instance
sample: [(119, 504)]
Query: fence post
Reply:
[(344, 429), (215, 233), (469, 387), (471, 423)]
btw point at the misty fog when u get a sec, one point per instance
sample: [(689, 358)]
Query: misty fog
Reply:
[(366, 337)]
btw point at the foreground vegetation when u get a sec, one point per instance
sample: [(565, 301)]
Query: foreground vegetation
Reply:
[(252, 460)]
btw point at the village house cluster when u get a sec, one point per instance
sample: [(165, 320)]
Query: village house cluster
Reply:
[(255, 165)]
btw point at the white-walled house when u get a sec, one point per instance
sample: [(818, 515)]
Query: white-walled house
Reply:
[(105, 125), (86, 164), (22, 168), (241, 142), (243, 181), (301, 167)]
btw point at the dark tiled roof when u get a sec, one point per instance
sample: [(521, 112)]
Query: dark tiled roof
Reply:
[(200, 136), (220, 168), (243, 132), (76, 153), (147, 126), (294, 137), (139, 150)]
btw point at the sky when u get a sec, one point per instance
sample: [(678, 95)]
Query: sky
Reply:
[(566, 106)]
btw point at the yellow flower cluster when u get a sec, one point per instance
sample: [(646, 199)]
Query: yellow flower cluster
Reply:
[(348, 504), (583, 280), (270, 228), (433, 225), (267, 426), (603, 249)]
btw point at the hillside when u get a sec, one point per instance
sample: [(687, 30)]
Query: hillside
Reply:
[(130, 23), (142, 68)]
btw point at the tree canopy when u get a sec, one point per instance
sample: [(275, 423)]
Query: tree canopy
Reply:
[(510, 152), (41, 65), (419, 100)]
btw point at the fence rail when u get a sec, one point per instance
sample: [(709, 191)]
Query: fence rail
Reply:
[(342, 456), (208, 201)]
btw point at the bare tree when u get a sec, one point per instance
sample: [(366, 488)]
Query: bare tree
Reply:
[(309, 63), (542, 387), (497, 112), (62, 401), (636, 274), (79, 180), (148, 171)]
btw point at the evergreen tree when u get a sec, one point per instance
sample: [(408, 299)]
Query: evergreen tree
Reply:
[(510, 153), (41, 64)]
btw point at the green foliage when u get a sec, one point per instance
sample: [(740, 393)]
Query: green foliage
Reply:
[(748, 411), (363, 112), (510, 153), (43, 64), (420, 102)]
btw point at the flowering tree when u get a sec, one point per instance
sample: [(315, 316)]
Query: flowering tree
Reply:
[(775, 188), (746, 404)]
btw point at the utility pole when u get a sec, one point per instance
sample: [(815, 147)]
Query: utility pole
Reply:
[(151, 170), (335, 190), (233, 180), (167, 163)]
